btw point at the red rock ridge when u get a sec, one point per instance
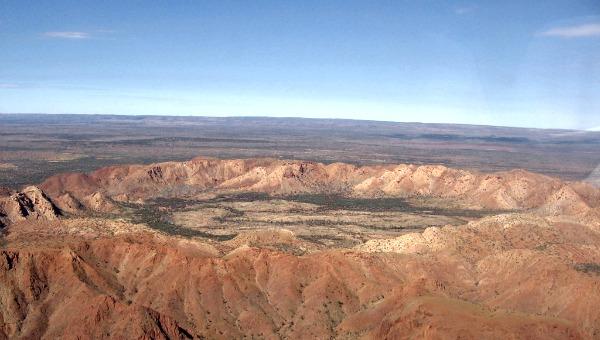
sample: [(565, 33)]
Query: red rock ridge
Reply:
[(517, 189)]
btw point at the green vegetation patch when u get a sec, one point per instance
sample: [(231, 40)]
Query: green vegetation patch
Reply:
[(383, 204), (149, 214), (588, 268)]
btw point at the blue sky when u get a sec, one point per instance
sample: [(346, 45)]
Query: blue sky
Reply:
[(513, 63)]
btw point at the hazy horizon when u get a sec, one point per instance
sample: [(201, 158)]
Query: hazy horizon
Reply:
[(596, 129)]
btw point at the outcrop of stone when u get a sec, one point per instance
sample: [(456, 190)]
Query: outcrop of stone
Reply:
[(29, 204), (516, 276), (511, 190)]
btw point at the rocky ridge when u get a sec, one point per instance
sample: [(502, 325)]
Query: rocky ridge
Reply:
[(532, 273), (508, 276), (512, 190), (29, 204)]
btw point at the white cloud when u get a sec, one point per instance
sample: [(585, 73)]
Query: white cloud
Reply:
[(576, 31), (67, 35)]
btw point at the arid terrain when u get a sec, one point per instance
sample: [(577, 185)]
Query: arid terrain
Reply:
[(36, 146), (271, 248), (291, 170)]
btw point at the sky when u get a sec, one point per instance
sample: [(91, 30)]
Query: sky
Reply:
[(509, 63)]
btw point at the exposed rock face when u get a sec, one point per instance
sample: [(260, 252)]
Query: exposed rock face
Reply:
[(511, 276), (29, 204), (533, 274), (504, 190), (99, 202), (56, 294), (66, 202)]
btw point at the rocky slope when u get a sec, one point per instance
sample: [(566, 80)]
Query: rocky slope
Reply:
[(29, 204), (533, 273), (509, 277), (503, 190)]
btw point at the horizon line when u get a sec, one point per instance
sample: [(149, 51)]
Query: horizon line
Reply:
[(293, 117)]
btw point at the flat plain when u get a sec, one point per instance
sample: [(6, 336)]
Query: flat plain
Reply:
[(35, 146)]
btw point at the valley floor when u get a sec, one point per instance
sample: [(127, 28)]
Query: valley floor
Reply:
[(271, 249)]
